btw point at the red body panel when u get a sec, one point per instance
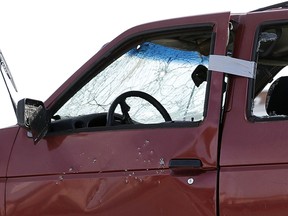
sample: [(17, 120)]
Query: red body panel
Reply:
[(110, 151), (122, 193), (254, 190), (8, 136)]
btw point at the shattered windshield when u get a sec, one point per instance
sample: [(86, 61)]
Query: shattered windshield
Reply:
[(164, 72)]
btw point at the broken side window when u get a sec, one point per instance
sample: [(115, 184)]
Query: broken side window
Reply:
[(270, 90), (162, 68)]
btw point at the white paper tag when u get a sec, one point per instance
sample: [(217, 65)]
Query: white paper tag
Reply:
[(231, 65)]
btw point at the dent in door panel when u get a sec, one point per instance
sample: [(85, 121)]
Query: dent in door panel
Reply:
[(107, 194)]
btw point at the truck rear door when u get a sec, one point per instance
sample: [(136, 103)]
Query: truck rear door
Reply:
[(254, 162)]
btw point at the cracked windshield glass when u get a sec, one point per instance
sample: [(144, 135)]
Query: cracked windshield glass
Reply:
[(163, 68)]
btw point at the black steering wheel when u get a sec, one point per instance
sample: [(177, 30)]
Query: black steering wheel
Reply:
[(125, 108)]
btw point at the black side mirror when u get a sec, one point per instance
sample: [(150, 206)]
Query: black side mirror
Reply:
[(32, 115), (199, 75)]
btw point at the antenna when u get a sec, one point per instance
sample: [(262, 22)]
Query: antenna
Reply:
[(4, 65)]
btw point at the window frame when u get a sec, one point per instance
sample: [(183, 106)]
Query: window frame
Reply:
[(108, 57)]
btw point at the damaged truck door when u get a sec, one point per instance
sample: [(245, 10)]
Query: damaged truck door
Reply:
[(159, 145)]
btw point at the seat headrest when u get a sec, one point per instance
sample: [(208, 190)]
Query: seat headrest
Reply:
[(277, 97)]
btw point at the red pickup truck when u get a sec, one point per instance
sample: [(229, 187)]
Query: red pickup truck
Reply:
[(187, 116)]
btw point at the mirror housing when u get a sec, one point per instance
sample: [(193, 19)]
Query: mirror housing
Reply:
[(32, 115), (199, 75)]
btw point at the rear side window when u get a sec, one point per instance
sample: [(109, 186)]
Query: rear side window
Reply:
[(270, 90)]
